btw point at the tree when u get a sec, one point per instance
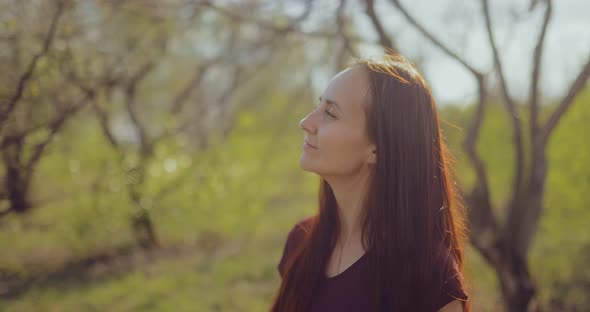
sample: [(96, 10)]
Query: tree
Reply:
[(199, 108), (505, 244), (28, 121), (171, 73)]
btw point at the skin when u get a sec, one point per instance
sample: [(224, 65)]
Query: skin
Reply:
[(343, 155)]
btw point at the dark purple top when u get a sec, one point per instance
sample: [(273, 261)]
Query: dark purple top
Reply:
[(349, 291)]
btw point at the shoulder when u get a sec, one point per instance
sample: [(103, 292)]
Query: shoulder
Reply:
[(293, 239), (452, 283), (299, 230)]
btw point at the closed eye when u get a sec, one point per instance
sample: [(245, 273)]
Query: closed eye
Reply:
[(327, 112)]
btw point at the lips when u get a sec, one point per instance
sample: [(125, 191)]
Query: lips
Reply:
[(308, 144)]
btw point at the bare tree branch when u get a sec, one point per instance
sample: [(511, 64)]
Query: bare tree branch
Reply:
[(538, 55), (432, 38), (306, 12), (103, 83), (481, 217), (292, 27), (181, 98), (346, 42), (54, 128), (26, 76), (566, 102), (130, 104), (103, 120), (226, 96), (512, 110), (8, 139), (384, 39)]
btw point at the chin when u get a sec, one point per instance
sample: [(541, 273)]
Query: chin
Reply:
[(306, 165)]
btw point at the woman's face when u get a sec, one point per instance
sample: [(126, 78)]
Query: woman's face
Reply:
[(336, 142)]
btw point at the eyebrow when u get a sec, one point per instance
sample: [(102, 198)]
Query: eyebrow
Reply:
[(332, 102)]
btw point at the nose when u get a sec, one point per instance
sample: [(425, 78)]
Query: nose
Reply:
[(306, 124)]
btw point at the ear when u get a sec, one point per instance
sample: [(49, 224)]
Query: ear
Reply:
[(372, 158)]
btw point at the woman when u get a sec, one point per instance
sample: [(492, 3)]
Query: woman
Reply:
[(388, 235)]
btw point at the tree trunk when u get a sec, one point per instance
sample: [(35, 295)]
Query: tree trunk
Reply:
[(141, 221), (143, 229), (502, 250), (518, 288), (16, 181)]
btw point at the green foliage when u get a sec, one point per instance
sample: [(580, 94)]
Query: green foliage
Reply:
[(563, 233)]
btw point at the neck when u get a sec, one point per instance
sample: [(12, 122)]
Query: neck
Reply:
[(349, 192)]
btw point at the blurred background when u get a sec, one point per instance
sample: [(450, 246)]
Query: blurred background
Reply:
[(150, 148)]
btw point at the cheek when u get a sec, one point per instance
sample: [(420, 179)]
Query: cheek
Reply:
[(342, 145)]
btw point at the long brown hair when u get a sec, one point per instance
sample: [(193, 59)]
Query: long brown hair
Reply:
[(412, 214)]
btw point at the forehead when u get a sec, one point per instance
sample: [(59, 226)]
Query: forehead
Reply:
[(349, 88)]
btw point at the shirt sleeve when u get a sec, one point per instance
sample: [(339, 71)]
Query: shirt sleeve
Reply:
[(293, 238)]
